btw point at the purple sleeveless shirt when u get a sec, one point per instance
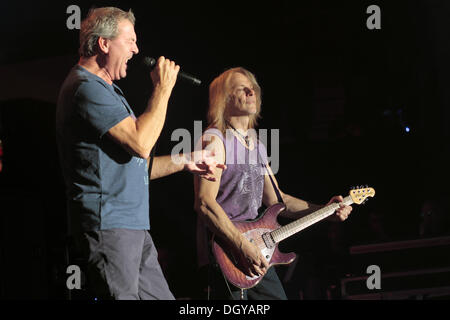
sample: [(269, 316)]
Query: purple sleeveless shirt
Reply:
[(241, 185)]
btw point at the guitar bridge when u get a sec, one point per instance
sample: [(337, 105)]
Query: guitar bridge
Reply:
[(268, 240)]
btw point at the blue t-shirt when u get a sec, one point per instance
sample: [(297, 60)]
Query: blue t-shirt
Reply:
[(106, 187)]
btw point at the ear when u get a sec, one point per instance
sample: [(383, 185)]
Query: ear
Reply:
[(103, 44)]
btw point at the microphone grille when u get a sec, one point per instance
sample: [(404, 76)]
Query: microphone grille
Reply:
[(149, 61)]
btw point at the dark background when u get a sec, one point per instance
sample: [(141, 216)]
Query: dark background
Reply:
[(341, 95)]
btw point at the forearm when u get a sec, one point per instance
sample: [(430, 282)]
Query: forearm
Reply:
[(164, 165), (297, 208), (150, 123), (218, 222)]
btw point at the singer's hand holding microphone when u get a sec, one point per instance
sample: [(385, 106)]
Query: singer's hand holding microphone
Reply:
[(162, 62), (164, 73)]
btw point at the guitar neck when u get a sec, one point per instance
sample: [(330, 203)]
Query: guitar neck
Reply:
[(292, 228)]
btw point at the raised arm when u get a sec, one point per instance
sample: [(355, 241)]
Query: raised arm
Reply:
[(139, 136)]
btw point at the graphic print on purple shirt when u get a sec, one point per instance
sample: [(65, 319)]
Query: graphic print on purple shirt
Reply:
[(242, 183)]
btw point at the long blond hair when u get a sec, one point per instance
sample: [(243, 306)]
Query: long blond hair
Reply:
[(219, 91)]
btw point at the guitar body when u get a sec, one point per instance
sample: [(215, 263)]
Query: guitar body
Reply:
[(253, 231), (266, 233)]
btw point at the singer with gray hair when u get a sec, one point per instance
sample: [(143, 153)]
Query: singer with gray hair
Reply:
[(104, 153)]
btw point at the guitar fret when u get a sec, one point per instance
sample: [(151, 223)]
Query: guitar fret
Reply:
[(290, 229), (267, 240)]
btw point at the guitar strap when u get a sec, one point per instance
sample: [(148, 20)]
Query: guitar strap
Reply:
[(277, 191)]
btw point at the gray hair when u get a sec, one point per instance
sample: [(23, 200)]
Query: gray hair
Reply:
[(101, 22)]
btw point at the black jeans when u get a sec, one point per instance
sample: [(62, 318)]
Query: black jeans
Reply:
[(269, 288)]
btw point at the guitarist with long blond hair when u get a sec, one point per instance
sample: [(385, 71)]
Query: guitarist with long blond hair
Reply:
[(242, 188)]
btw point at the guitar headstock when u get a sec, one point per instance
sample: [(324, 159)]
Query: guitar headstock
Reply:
[(360, 194)]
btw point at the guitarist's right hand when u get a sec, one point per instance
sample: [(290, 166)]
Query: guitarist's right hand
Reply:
[(252, 261)]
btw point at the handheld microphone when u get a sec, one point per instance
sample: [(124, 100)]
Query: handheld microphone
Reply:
[(151, 62)]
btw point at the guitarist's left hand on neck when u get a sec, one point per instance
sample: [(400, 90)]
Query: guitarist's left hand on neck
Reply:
[(342, 213)]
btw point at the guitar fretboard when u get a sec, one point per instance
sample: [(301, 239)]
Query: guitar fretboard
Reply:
[(292, 228)]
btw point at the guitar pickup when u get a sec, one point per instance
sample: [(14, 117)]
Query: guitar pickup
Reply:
[(268, 240)]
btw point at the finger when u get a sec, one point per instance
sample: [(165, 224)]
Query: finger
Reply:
[(170, 65), (345, 209), (161, 60), (250, 272), (206, 175), (336, 199), (209, 169), (264, 263), (210, 178), (258, 271), (342, 216), (264, 270), (208, 153)]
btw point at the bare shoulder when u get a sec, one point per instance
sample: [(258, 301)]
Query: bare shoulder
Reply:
[(212, 142)]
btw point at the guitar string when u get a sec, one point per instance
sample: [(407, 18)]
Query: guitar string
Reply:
[(282, 231), (290, 229)]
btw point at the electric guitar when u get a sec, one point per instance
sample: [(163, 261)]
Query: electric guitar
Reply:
[(266, 233)]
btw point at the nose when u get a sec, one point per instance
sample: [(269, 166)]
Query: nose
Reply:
[(135, 49), (249, 92)]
